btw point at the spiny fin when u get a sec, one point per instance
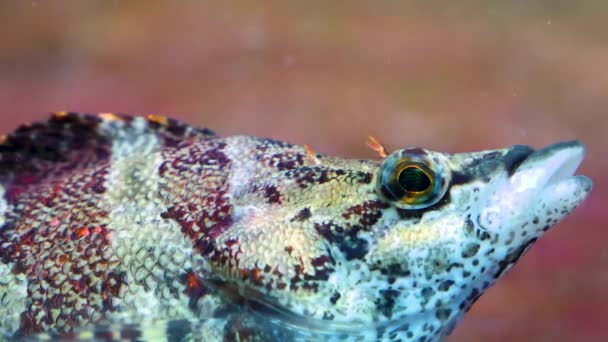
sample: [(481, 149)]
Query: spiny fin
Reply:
[(82, 138)]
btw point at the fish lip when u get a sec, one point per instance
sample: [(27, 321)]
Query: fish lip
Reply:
[(516, 155), (557, 162)]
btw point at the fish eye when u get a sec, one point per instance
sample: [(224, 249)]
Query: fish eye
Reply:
[(412, 179)]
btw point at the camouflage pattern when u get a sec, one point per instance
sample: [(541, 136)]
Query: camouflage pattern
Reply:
[(112, 220)]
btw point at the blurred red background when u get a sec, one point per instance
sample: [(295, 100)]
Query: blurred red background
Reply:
[(447, 76)]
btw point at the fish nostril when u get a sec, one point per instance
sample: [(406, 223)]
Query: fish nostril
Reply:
[(516, 155)]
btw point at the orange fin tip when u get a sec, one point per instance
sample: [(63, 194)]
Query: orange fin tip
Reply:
[(377, 146), (311, 155), (110, 117), (159, 119)]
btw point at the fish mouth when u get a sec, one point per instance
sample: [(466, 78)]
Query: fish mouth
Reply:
[(554, 164), (547, 179)]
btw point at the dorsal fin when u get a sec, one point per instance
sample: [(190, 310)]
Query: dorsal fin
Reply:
[(82, 138)]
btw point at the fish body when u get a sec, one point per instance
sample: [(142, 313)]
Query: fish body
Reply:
[(110, 220)]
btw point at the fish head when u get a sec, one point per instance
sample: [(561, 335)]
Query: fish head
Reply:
[(464, 219)]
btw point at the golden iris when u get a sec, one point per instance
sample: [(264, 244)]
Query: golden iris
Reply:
[(414, 180)]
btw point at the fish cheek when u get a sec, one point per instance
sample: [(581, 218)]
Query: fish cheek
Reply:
[(437, 263)]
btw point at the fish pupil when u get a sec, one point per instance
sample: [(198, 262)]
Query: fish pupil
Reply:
[(413, 179)]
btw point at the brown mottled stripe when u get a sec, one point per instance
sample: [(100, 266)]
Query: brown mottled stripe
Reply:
[(56, 230)]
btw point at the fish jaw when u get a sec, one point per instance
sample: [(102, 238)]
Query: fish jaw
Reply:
[(540, 193), (560, 191)]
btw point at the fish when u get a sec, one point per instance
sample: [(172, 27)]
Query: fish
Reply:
[(145, 228)]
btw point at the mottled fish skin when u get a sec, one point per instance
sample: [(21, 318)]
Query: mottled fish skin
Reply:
[(112, 220)]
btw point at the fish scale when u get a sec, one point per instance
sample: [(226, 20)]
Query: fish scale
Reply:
[(145, 228)]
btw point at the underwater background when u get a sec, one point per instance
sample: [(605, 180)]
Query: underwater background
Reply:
[(447, 76)]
